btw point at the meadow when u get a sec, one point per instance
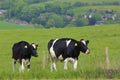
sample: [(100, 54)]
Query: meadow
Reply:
[(9, 26), (92, 66), (85, 1)]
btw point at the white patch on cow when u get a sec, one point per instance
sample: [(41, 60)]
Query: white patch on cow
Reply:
[(60, 57), (75, 64), (87, 51), (83, 42), (66, 61), (72, 60), (22, 65), (53, 65), (27, 61), (18, 60), (68, 42), (52, 52), (65, 64), (25, 46), (34, 46)]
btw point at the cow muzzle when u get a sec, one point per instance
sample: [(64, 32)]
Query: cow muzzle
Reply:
[(36, 55), (88, 51)]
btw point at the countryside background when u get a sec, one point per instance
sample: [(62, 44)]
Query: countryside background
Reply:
[(92, 66)]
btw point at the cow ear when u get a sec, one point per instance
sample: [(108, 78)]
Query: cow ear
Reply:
[(87, 41), (81, 39), (36, 45), (25, 46)]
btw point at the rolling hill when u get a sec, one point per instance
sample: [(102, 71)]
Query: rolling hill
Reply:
[(6, 25)]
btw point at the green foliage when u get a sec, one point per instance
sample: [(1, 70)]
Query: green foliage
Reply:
[(35, 1), (55, 20), (32, 11), (29, 12), (4, 4), (78, 4), (50, 23), (1, 17), (97, 16), (81, 22), (53, 8)]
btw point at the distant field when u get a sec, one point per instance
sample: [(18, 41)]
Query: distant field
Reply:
[(83, 10), (6, 25), (115, 8), (91, 66), (88, 1)]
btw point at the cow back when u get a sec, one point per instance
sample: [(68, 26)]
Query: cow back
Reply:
[(20, 50)]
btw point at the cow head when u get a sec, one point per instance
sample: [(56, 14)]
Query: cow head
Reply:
[(83, 46), (34, 49)]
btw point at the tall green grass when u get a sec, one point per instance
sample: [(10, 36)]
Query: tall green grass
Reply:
[(90, 66)]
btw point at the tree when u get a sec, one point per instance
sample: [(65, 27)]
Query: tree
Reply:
[(81, 22), (35, 1), (53, 8), (56, 21), (18, 6), (70, 12), (97, 16), (50, 23), (30, 12), (92, 21)]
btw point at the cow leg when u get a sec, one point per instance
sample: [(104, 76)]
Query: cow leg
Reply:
[(14, 64), (66, 61), (75, 64), (22, 65), (53, 64), (65, 64), (74, 61), (28, 64)]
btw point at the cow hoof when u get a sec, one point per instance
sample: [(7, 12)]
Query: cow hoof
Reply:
[(28, 70)]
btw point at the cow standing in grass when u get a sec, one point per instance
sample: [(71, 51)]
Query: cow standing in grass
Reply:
[(66, 49), (22, 52)]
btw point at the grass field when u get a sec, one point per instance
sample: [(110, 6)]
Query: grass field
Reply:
[(99, 8), (90, 66), (6, 25), (88, 1)]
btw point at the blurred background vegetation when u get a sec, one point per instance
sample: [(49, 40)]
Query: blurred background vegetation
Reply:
[(60, 13)]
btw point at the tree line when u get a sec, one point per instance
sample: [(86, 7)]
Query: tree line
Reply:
[(57, 15)]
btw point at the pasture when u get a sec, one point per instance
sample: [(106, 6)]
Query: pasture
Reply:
[(9, 26), (92, 66), (85, 1)]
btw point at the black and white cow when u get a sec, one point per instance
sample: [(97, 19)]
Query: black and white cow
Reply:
[(66, 49), (22, 52)]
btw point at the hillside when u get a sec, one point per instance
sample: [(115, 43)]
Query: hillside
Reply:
[(88, 1), (8, 26), (92, 66), (61, 13)]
